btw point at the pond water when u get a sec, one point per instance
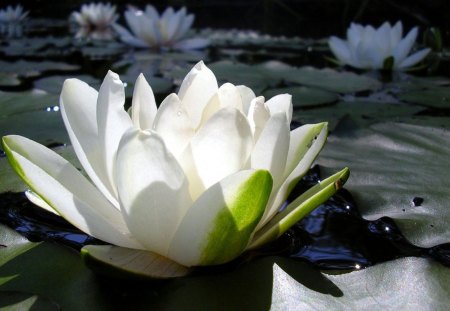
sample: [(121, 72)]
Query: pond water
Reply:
[(391, 129)]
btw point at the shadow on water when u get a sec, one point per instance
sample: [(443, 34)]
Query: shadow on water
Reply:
[(333, 236)]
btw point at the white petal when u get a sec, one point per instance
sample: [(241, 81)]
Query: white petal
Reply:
[(414, 58), (151, 12), (258, 114), (281, 103), (67, 191), (78, 102), (192, 44), (184, 27), (143, 106), (340, 49), (305, 144), (37, 200), (227, 96), (173, 124), (196, 90), (405, 46), (153, 190), (396, 34), (127, 38), (112, 121), (219, 225), (247, 95), (222, 146), (270, 151)]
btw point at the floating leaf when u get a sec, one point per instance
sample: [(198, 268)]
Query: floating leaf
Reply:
[(9, 79), (53, 84), (391, 164), (437, 97), (303, 96), (32, 69)]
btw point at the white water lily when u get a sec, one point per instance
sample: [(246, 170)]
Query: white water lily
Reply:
[(11, 19), (151, 30), (370, 48), (199, 180), (95, 15), (94, 20)]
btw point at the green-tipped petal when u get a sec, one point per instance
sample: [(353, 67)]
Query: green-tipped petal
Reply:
[(299, 208), (218, 226), (66, 190), (126, 262), (306, 143)]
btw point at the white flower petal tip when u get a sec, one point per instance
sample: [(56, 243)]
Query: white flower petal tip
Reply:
[(370, 48), (126, 263), (196, 181), (169, 30)]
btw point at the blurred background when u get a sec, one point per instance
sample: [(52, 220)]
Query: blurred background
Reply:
[(305, 18)]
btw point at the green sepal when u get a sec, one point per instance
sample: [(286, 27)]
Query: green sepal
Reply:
[(299, 208)]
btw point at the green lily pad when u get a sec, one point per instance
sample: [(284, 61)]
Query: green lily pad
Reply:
[(391, 164), (9, 79), (17, 301), (303, 96), (53, 84), (32, 69), (437, 97), (42, 126), (12, 103), (328, 79), (12, 245), (356, 114)]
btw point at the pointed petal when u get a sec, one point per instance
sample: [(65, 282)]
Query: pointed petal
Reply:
[(247, 95), (143, 106), (299, 208), (227, 96), (197, 88), (112, 121), (153, 189), (405, 46), (258, 114), (172, 123), (271, 150), (184, 27), (281, 103), (128, 38), (414, 58), (151, 12), (340, 49), (305, 144), (222, 146), (67, 191), (396, 34), (78, 103), (34, 198), (219, 225)]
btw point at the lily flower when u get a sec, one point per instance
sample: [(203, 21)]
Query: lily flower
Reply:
[(382, 48), (197, 181), (150, 30), (11, 21), (94, 20)]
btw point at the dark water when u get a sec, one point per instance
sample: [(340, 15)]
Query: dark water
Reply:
[(334, 236)]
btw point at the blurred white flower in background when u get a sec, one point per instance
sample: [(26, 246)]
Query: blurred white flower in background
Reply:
[(11, 21), (381, 48), (94, 21), (150, 30)]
